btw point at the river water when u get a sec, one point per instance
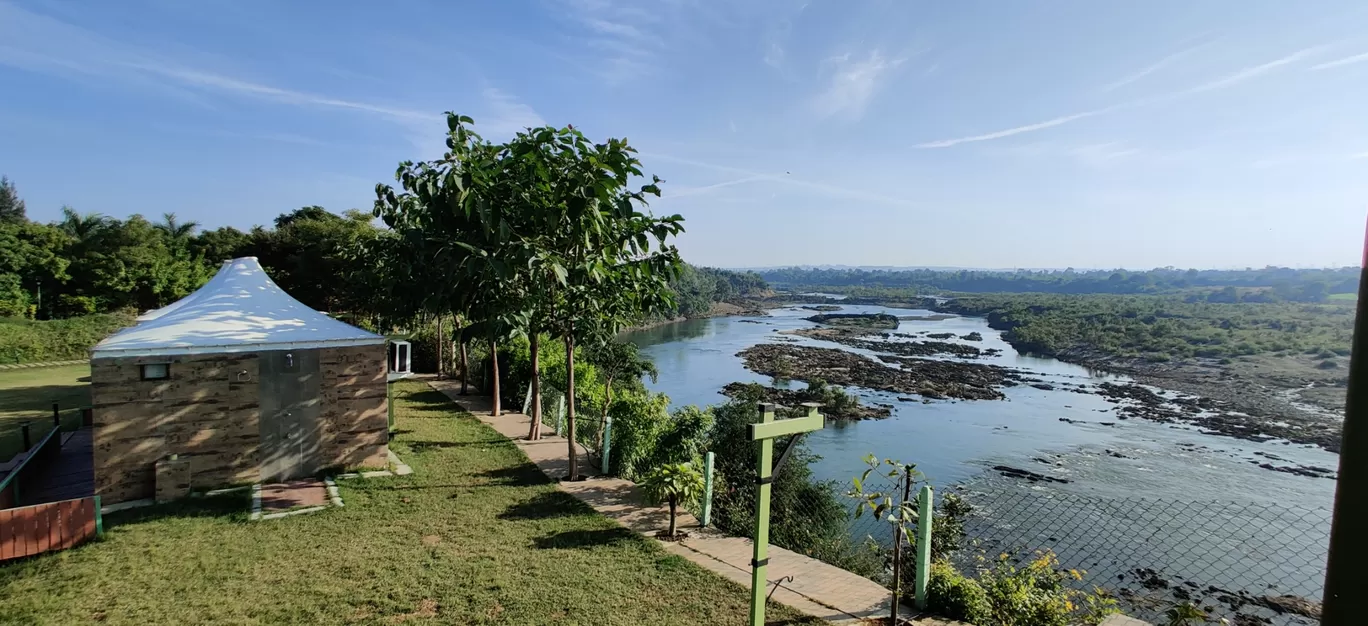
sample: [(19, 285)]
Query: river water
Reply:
[(956, 442)]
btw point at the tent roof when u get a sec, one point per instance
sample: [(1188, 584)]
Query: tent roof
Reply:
[(239, 310)]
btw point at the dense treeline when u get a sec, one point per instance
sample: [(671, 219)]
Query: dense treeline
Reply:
[(91, 263), (1267, 284), (1160, 327)]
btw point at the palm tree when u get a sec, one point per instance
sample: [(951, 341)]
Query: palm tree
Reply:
[(177, 231), (81, 226)]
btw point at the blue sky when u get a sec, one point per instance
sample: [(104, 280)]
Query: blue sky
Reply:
[(982, 134)]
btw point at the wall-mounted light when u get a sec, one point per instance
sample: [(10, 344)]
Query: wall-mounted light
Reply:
[(289, 359)]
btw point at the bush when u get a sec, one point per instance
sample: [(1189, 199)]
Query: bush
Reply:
[(956, 596), (29, 341)]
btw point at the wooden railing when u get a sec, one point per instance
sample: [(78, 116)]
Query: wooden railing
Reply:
[(11, 483), (29, 530)]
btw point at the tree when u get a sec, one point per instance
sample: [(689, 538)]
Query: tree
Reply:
[(618, 360), (11, 205), (672, 483), (178, 231)]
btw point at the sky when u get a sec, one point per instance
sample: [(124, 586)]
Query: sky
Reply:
[(1214, 134)]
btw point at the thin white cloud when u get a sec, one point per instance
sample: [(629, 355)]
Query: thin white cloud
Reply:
[(784, 179), (39, 43), (1256, 70), (1220, 83), (681, 192), (1358, 58), (852, 84), (1158, 65), (622, 51), (1361, 155), (1058, 121), (774, 55)]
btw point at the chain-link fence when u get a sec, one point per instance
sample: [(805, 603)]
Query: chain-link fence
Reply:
[(1261, 560), (554, 416), (1249, 562)]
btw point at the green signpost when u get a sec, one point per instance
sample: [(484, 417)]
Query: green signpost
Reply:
[(765, 432)]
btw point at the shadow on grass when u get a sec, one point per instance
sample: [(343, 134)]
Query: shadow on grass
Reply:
[(429, 399), (38, 399), (226, 506), (587, 539), (524, 475), (424, 446), (546, 505)]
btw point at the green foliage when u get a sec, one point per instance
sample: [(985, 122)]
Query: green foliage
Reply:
[(30, 341), (11, 205), (1184, 614), (674, 483), (956, 596), (1159, 327)]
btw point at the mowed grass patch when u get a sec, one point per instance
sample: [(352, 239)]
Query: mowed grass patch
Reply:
[(476, 535), (27, 395)]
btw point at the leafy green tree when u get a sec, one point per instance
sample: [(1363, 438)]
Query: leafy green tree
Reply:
[(621, 361), (672, 483), (178, 231), (11, 205)]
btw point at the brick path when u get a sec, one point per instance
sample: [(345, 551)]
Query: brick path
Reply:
[(817, 589), (24, 366)]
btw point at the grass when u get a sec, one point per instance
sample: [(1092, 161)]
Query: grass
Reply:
[(28, 394), (1346, 297), (476, 535)]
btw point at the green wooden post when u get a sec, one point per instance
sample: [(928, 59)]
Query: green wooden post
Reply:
[(99, 518), (607, 441), (560, 414), (766, 432), (527, 401), (924, 511), (707, 488)]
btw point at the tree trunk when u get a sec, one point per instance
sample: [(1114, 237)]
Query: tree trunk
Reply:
[(494, 368), (570, 404), (607, 402), (439, 346), (673, 502), (534, 431), (465, 368)]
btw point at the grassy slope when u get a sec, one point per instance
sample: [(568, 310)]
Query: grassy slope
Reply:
[(28, 394), (477, 535)]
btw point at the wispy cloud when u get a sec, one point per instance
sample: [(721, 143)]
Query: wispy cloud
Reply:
[(1158, 65), (749, 176), (1058, 121), (852, 84), (1256, 70), (610, 31), (1228, 80), (1358, 58), (1361, 155), (43, 44)]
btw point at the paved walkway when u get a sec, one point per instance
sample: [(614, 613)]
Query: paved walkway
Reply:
[(816, 588), (24, 366)]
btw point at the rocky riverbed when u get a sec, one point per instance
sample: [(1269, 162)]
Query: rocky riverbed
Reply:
[(928, 378), (789, 401)]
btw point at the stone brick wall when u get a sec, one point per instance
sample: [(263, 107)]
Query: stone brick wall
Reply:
[(207, 412), (354, 415)]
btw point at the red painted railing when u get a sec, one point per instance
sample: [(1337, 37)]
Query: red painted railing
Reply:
[(29, 530)]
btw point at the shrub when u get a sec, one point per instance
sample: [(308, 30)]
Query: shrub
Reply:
[(953, 595), (674, 483), (29, 341)]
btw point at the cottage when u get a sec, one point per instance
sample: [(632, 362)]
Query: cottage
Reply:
[(241, 380)]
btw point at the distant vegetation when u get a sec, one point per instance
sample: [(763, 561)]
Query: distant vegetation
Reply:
[(28, 341), (1270, 284), (1161, 327), (697, 288)]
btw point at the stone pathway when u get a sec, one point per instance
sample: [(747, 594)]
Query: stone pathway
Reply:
[(24, 366), (816, 588)]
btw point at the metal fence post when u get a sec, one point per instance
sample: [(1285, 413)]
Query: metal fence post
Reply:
[(707, 488), (924, 512), (607, 441), (56, 416), (24, 430)]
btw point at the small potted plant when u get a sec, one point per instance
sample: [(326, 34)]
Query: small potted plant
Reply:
[(672, 483)]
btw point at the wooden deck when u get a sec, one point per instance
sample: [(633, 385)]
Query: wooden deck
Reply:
[(68, 475)]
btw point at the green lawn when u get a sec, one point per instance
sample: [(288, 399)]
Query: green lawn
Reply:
[(28, 394), (476, 536), (1348, 297)]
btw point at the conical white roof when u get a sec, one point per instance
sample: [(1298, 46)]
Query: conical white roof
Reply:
[(239, 310)]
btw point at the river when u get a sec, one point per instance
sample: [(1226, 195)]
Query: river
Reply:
[(958, 442)]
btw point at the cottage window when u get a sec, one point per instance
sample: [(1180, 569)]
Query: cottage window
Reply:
[(156, 371)]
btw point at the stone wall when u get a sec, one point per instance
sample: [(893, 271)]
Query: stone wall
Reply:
[(355, 418), (208, 412)]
